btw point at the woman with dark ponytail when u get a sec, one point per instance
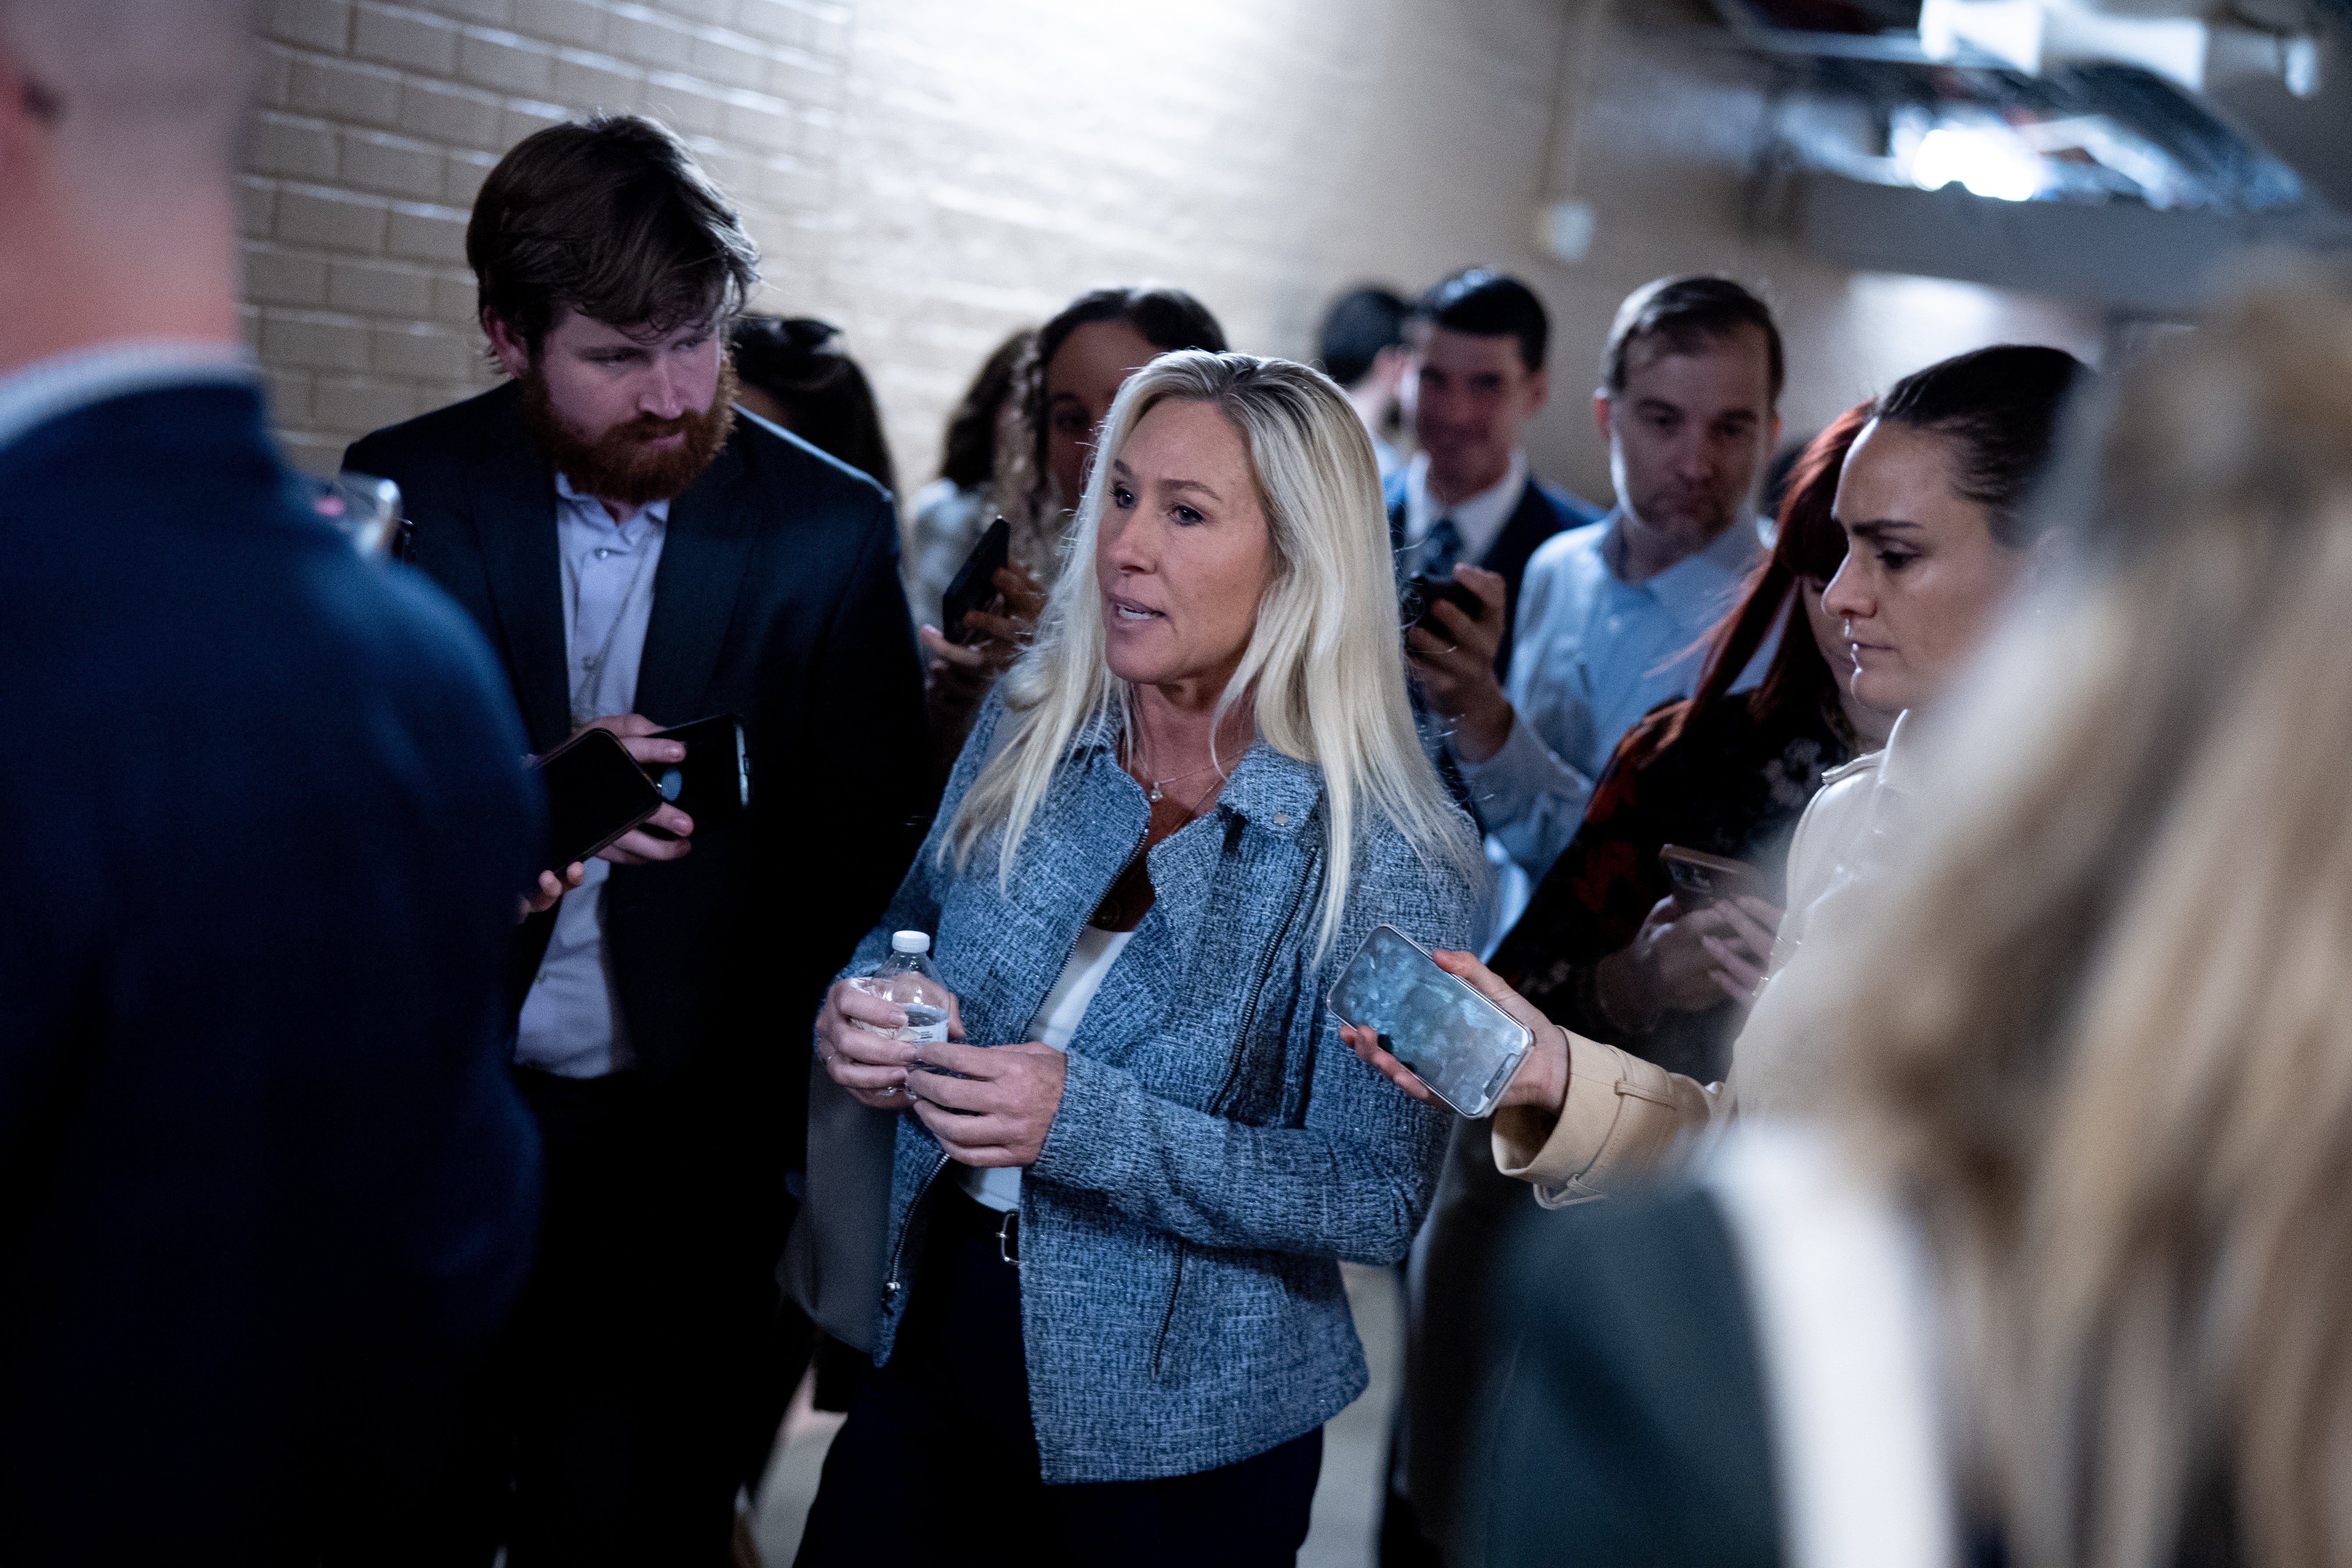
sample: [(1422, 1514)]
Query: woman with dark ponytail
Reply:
[(1603, 948), (1932, 500)]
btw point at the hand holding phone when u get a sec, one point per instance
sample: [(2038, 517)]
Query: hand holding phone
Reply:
[(595, 794), (1700, 878), (1423, 594), (973, 587), (665, 835), (712, 782), (1461, 1044)]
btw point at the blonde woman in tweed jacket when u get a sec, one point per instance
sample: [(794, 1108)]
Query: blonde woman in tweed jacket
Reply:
[(1114, 1326)]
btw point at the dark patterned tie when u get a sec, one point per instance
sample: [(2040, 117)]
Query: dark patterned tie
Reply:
[(1441, 549)]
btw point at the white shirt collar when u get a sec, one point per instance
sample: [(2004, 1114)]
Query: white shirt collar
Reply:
[(48, 389), (1480, 517)]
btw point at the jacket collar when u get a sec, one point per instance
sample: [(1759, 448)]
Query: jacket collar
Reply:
[(510, 493), (1898, 764), (712, 530), (1269, 788), (48, 389), (1532, 521)]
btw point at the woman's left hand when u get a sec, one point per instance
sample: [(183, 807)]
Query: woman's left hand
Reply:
[(1011, 1091)]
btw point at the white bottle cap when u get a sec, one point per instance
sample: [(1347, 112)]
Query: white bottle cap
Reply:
[(910, 941)]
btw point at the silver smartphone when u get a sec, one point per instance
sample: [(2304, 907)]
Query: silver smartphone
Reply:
[(1462, 1045)]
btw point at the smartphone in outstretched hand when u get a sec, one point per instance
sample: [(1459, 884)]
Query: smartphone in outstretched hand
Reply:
[(1456, 1041)]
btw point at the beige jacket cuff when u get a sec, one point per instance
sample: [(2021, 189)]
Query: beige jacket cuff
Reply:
[(1622, 1117)]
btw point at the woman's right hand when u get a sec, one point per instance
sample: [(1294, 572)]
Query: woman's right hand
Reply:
[(858, 1055), (1541, 1082)]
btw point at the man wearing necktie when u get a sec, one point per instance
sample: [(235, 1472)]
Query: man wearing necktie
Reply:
[(1467, 498), (1608, 628)]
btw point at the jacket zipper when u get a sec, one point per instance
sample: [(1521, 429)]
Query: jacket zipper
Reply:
[(891, 1286), (1257, 983), (1232, 1071)]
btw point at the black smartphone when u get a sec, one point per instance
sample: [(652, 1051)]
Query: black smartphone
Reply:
[(1422, 595), (596, 792), (713, 785), (974, 584), (1701, 878)]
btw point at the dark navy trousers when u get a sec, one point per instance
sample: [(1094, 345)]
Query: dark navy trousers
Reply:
[(937, 1462)]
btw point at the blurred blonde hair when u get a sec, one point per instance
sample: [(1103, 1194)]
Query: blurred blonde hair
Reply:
[(2101, 1031), (1325, 662)]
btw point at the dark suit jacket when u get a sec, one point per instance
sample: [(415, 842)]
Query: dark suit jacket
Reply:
[(777, 598), (1543, 511), (265, 1188)]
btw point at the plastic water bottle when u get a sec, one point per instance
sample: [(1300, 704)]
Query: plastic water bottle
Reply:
[(910, 978)]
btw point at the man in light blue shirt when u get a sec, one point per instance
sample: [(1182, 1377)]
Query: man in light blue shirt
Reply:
[(1608, 620), (1611, 615)]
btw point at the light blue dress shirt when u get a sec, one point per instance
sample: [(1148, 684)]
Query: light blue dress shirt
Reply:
[(570, 1024), (1593, 653)]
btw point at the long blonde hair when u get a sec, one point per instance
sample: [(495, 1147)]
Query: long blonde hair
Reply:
[(1325, 662), (2101, 1031)]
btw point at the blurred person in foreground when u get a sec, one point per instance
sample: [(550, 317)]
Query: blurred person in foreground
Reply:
[(1933, 502), (1610, 619), (794, 373), (1725, 773), (265, 1192), (1113, 1325), (2063, 1280), (1363, 347), (1466, 498), (948, 516), (643, 559), (1063, 390)]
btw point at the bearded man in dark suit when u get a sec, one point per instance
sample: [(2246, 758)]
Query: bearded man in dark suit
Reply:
[(640, 555)]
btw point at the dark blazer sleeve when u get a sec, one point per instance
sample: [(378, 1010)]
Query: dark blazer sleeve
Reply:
[(1630, 1422)]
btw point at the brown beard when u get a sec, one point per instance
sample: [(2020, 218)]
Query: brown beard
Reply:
[(615, 466)]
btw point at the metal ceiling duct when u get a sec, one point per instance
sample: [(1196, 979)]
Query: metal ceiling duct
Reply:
[(2110, 149)]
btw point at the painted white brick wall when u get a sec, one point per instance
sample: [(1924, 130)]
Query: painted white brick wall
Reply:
[(930, 174), (376, 124)]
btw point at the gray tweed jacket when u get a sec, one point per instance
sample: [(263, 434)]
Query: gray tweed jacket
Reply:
[(1218, 1151)]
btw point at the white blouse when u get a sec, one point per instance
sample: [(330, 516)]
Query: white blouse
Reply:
[(1058, 1020)]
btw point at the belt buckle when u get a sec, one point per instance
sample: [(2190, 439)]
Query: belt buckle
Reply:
[(1008, 1237)]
